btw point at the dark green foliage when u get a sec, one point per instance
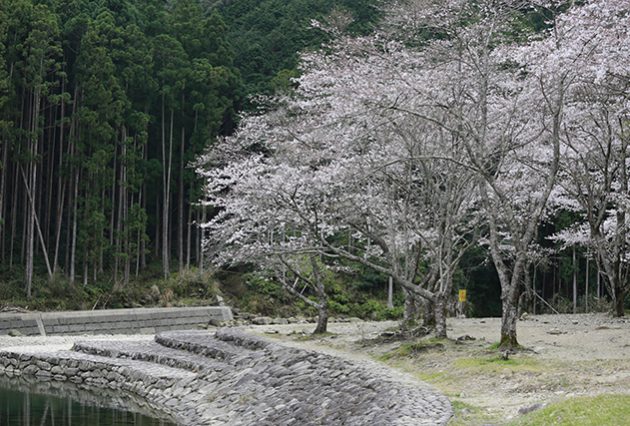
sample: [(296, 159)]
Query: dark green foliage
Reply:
[(480, 280), (82, 87), (268, 35)]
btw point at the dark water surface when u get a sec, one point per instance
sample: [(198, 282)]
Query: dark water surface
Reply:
[(27, 407)]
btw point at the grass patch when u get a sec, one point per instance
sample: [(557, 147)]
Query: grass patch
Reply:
[(600, 410), (467, 414), (494, 346), (411, 349), (495, 364)]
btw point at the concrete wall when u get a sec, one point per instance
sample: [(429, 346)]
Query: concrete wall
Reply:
[(112, 321)]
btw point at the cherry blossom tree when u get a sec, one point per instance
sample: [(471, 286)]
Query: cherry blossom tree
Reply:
[(505, 116), (360, 165), (594, 177)]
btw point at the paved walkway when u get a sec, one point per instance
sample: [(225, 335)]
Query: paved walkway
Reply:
[(230, 377)]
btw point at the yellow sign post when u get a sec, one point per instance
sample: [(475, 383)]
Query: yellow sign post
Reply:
[(462, 296)]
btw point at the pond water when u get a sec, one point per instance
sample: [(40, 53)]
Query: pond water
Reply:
[(27, 407)]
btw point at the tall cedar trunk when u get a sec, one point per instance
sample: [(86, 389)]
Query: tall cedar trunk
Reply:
[(61, 183), (52, 138), (158, 227), (180, 207), (140, 232), (118, 178), (37, 226), (164, 230), (143, 204), (125, 210), (167, 192), (16, 181), (85, 269), (4, 146), (30, 244), (75, 211), (100, 268), (112, 219), (198, 238), (24, 208), (14, 203), (188, 236), (201, 255), (74, 205)]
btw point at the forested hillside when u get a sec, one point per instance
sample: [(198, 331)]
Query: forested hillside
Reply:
[(104, 105)]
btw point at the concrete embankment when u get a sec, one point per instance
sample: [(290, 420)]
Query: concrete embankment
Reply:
[(112, 321)]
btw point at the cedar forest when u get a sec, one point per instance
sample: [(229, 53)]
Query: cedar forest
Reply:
[(320, 148)]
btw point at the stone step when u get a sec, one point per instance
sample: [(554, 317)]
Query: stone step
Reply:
[(151, 351), (237, 337), (205, 343)]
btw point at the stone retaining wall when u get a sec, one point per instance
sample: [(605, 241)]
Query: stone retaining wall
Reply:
[(114, 321), (233, 378), (145, 388)]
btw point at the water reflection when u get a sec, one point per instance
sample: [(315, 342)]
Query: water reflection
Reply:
[(26, 408)]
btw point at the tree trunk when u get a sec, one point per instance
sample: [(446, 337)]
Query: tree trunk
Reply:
[(410, 313), (180, 206), (167, 194), (188, 236), (124, 204), (534, 297), (599, 281), (31, 186), (73, 244), (509, 318), (428, 315), (42, 242), (619, 301), (574, 282), (3, 177), (85, 270), (322, 319), (200, 238), (14, 203), (588, 271), (157, 243), (440, 317)]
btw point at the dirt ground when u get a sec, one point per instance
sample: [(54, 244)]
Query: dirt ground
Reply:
[(564, 356)]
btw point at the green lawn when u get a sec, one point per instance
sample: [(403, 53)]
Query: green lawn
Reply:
[(602, 410)]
